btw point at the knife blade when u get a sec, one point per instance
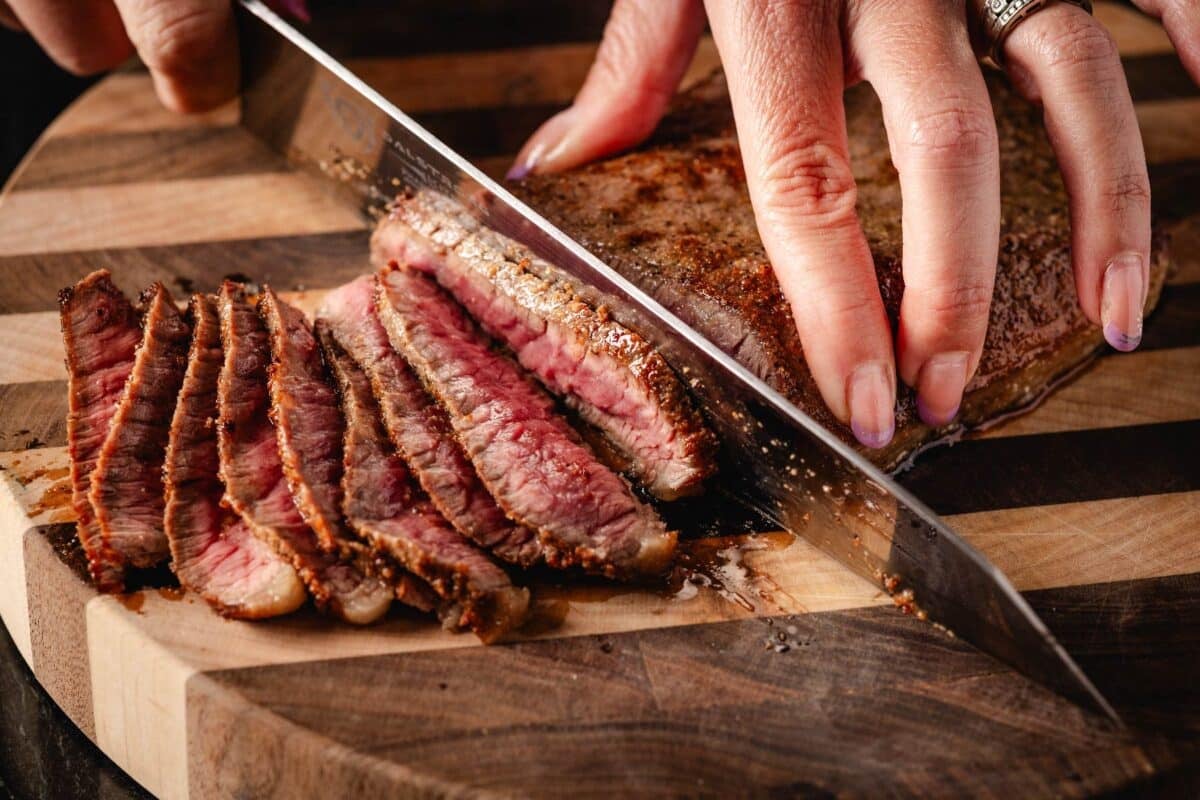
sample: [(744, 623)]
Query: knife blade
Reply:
[(775, 458)]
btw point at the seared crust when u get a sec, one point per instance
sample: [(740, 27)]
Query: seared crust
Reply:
[(675, 217), (100, 336), (127, 485), (213, 551), (252, 471), (383, 504), (532, 461), (578, 352), (420, 429), (307, 421)]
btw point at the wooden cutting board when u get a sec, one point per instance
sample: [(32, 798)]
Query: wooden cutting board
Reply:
[(787, 675)]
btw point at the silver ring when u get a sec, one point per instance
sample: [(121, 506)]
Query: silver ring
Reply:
[(992, 21)]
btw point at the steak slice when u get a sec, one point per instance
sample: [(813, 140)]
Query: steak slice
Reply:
[(383, 504), (308, 423), (611, 377), (420, 429), (212, 549), (127, 483), (100, 336), (252, 470), (675, 218), (531, 460)]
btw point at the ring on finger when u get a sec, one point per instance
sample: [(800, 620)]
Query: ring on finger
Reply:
[(991, 22)]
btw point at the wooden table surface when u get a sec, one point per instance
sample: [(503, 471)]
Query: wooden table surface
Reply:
[(798, 679)]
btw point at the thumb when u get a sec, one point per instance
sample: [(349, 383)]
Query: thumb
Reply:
[(189, 46)]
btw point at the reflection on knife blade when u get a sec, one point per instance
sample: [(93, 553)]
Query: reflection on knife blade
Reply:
[(774, 457)]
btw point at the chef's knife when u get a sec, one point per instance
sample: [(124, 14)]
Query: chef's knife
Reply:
[(775, 458)]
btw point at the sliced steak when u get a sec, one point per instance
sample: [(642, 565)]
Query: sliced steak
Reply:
[(385, 506), (308, 423), (675, 218), (100, 336), (212, 549), (420, 429), (252, 470), (610, 376), (531, 460), (127, 484)]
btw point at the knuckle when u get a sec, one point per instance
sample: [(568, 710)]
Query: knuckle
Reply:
[(1078, 42), (175, 41), (811, 180), (965, 302), (1130, 191), (956, 131)]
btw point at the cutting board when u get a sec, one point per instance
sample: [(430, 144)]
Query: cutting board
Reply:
[(785, 674)]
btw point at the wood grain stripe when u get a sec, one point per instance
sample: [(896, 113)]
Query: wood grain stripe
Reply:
[(710, 711), (1090, 542), (671, 695), (1168, 128), (1158, 77), (126, 103), (97, 159), (1065, 467), (30, 283), (1139, 641), (1173, 189), (34, 416), (1137, 34), (1176, 321), (57, 597), (532, 76), (175, 212), (435, 26), (31, 348), (482, 131), (1088, 401)]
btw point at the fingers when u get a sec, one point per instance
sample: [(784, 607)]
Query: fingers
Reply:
[(82, 36), (942, 134), (8, 18), (189, 47), (1063, 57), (1181, 18), (647, 47), (785, 70)]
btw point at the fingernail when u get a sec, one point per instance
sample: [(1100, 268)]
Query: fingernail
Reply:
[(872, 400), (545, 147), (940, 385), (1121, 303), (525, 167), (293, 8)]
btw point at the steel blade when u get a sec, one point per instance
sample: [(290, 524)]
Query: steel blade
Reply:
[(775, 458)]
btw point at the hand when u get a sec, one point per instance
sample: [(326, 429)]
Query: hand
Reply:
[(189, 46), (787, 63)]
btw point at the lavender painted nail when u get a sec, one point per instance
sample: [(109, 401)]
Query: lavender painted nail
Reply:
[(872, 438), (1121, 340), (518, 171), (934, 420), (297, 9)]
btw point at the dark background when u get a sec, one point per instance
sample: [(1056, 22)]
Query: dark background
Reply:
[(32, 92), (42, 755)]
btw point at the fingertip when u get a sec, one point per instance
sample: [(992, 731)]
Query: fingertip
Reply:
[(192, 96), (871, 400), (940, 386), (1123, 296), (549, 149)]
